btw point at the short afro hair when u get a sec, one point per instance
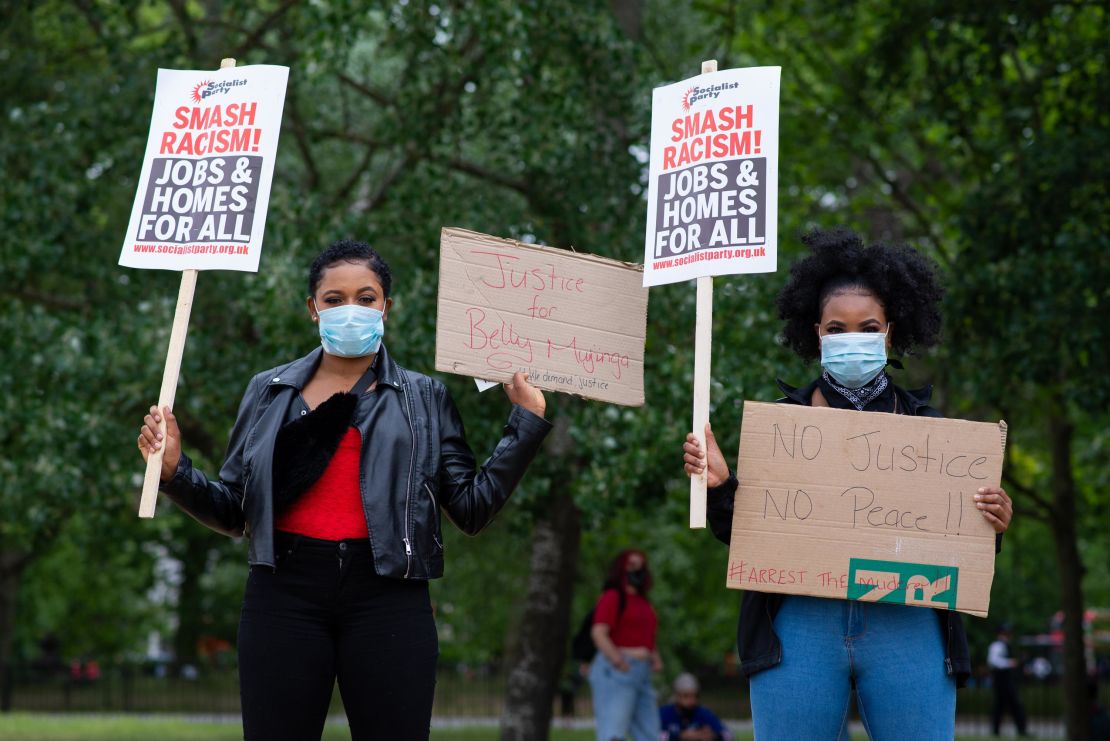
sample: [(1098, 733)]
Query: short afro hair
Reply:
[(349, 250), (903, 280)]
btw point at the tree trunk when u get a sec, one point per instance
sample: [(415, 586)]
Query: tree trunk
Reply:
[(629, 15), (1076, 702), (544, 627), (12, 564)]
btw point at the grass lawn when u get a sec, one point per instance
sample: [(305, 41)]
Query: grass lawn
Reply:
[(37, 727), (32, 727)]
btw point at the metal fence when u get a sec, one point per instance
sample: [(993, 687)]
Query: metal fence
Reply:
[(461, 692)]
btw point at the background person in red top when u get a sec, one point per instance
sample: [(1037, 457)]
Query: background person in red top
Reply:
[(624, 633), (337, 469)]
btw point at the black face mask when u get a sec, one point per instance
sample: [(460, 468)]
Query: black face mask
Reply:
[(635, 578)]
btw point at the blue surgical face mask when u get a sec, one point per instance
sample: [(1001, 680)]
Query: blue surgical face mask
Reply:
[(351, 331), (853, 358)]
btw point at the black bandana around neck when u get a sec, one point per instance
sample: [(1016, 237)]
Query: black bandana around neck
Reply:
[(864, 395)]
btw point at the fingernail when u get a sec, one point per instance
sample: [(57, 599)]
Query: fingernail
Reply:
[(159, 435), (977, 497), (981, 490)]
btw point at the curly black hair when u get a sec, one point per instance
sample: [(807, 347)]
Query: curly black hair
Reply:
[(350, 250), (903, 280)]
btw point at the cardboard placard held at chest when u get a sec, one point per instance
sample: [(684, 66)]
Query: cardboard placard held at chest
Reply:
[(865, 506)]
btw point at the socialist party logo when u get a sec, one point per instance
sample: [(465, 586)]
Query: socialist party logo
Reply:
[(698, 93), (208, 88)]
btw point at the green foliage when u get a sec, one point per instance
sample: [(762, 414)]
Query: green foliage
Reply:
[(121, 728), (481, 577), (100, 612), (974, 131)]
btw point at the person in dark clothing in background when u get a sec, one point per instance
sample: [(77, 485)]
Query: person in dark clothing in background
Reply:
[(1004, 682), (686, 719)]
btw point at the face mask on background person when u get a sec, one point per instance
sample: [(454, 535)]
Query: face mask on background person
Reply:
[(351, 331), (853, 358), (635, 578)]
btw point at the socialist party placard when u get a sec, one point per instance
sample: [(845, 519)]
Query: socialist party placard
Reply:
[(713, 176), (205, 183)]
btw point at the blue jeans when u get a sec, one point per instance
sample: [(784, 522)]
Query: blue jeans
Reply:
[(624, 702), (894, 653)]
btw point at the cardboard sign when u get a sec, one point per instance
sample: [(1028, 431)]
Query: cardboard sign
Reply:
[(575, 322), (864, 506), (713, 176), (205, 184)]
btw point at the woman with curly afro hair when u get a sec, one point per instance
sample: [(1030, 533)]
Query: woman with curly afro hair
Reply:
[(848, 305)]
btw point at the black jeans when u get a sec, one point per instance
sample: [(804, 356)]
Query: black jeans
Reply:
[(324, 615)]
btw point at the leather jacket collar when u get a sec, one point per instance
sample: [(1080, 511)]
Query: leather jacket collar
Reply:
[(298, 373)]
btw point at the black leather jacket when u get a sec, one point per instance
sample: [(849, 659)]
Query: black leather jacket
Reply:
[(756, 641), (415, 462)]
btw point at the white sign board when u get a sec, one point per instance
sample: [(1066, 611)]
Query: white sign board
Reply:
[(205, 183), (713, 176)]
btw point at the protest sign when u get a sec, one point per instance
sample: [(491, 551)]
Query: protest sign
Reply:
[(870, 507), (576, 323), (712, 200), (205, 184), (713, 176), (202, 194)]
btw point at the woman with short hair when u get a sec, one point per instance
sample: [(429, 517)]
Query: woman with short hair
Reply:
[(337, 470)]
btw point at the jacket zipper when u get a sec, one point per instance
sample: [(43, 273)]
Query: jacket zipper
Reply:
[(435, 514), (408, 484)]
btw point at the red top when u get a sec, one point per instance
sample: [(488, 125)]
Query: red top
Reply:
[(332, 508), (636, 625)]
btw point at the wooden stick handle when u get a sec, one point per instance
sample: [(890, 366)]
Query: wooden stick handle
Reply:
[(170, 374), (703, 342), (169, 387)]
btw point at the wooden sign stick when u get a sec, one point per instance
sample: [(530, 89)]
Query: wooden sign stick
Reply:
[(170, 374), (703, 341)]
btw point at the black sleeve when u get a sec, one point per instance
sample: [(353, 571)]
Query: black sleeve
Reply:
[(719, 502), (218, 504), (472, 498)]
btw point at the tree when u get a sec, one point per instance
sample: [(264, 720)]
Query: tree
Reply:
[(84, 339), (61, 327), (531, 122), (398, 120)]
